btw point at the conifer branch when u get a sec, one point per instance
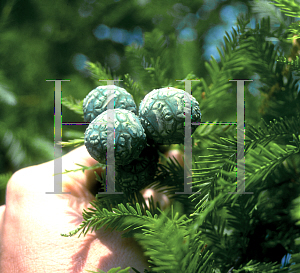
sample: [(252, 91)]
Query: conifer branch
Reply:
[(72, 104), (289, 8), (72, 142)]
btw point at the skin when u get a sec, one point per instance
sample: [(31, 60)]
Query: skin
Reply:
[(175, 153), (31, 223)]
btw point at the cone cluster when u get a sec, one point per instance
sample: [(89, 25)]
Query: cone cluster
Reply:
[(160, 120)]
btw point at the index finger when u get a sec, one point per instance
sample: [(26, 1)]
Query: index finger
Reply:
[(80, 156), (40, 178)]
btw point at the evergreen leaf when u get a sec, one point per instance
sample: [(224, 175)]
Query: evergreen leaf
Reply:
[(72, 142), (73, 105)]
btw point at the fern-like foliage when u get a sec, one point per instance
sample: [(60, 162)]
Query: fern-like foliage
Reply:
[(211, 230), (234, 60), (98, 72), (170, 234), (73, 105), (153, 63), (73, 142), (289, 8), (293, 65), (134, 89)]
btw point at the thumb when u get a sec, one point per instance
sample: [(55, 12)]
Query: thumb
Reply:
[(79, 181)]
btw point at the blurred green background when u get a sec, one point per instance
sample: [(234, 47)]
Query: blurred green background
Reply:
[(52, 40)]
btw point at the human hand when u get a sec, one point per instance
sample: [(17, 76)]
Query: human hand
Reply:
[(31, 222)]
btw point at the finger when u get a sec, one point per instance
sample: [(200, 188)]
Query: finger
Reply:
[(79, 181), (169, 151), (2, 210), (81, 156), (177, 154), (42, 175), (159, 197)]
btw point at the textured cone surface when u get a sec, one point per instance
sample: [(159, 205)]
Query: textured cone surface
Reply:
[(162, 115), (139, 173), (130, 137), (95, 103)]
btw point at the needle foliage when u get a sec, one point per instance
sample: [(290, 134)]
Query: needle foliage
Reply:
[(211, 230)]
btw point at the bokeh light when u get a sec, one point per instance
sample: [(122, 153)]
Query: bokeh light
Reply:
[(114, 61), (187, 34), (102, 32), (79, 61), (118, 35)]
